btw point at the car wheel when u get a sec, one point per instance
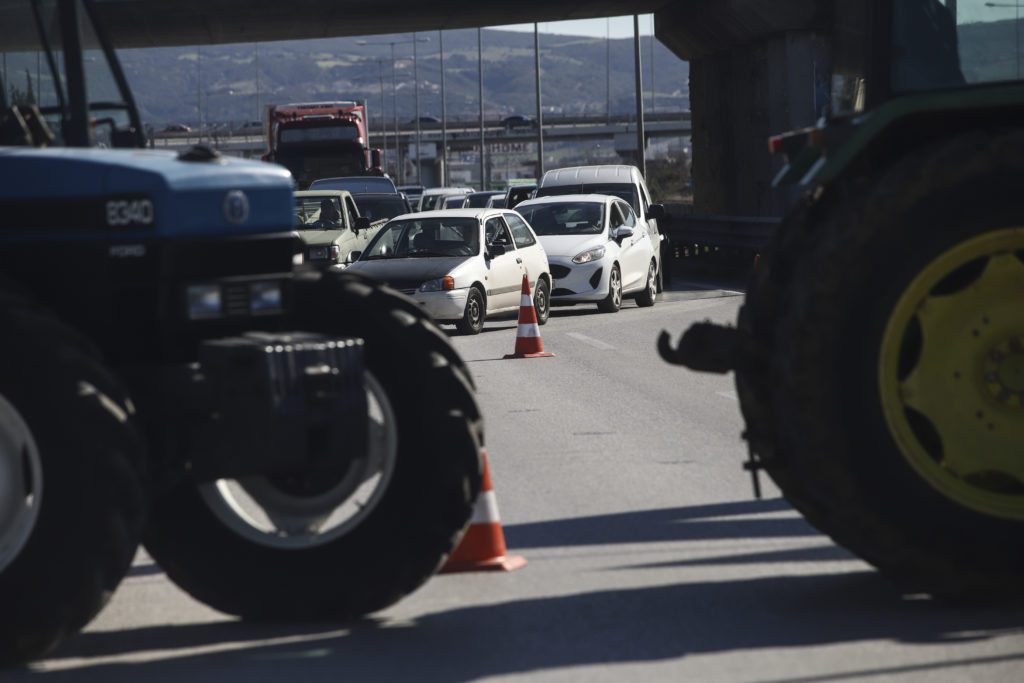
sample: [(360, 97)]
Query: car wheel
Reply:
[(542, 301), (647, 297), (476, 311), (612, 302)]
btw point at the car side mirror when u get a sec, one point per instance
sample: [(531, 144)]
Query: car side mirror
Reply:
[(496, 250), (656, 211), (361, 223), (353, 256), (622, 233)]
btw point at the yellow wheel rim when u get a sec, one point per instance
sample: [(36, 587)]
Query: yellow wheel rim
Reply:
[(951, 373)]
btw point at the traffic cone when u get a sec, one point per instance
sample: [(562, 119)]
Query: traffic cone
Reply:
[(482, 548), (528, 343)]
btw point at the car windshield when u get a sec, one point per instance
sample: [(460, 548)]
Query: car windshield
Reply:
[(432, 201), (624, 191), (425, 238), (378, 208), (318, 213), (355, 185), (570, 218), (478, 200)]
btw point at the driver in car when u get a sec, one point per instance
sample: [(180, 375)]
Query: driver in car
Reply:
[(330, 217)]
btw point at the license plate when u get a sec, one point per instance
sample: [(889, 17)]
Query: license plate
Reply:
[(318, 254)]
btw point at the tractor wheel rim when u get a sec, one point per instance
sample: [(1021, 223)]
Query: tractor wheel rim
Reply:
[(264, 514), (951, 373), (21, 483)]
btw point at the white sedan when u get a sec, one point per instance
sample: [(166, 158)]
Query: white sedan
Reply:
[(597, 249), (460, 265)]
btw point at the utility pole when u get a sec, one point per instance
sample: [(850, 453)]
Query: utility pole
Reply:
[(641, 152), (399, 166), (608, 69), (256, 59), (416, 88), (480, 78), (383, 118), (199, 91), (444, 116), (540, 111), (400, 170), (654, 105)]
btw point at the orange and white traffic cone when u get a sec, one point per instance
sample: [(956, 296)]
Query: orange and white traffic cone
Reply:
[(528, 343), (483, 546)]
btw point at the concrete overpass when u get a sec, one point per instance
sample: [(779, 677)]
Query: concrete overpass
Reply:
[(757, 67)]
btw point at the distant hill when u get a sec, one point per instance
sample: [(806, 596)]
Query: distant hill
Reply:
[(168, 81)]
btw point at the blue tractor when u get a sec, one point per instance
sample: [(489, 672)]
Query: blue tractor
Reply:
[(285, 444)]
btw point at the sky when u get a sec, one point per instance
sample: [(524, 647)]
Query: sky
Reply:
[(621, 27)]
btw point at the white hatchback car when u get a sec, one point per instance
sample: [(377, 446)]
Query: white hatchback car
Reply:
[(597, 249), (460, 265)]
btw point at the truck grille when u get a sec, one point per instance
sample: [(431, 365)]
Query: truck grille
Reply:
[(236, 300)]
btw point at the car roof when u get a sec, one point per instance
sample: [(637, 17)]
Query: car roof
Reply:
[(448, 190), (455, 213), (611, 173), (560, 198), (355, 177), (322, 193), (377, 195)]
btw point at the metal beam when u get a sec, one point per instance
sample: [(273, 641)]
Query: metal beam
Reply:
[(151, 23)]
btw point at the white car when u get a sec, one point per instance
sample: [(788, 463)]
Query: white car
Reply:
[(434, 197), (624, 182), (597, 250), (460, 265)]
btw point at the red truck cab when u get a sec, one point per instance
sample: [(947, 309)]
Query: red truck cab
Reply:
[(321, 139)]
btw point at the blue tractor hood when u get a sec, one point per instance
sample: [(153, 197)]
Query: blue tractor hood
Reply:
[(96, 194)]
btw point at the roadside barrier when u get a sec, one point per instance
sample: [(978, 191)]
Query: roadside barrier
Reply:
[(528, 342), (483, 546)]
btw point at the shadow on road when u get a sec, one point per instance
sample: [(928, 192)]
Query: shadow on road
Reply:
[(695, 523), (593, 628)]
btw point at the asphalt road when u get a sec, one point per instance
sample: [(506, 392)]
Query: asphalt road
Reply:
[(618, 478)]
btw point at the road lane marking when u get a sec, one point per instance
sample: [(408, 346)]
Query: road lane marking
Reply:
[(596, 343), (731, 395)]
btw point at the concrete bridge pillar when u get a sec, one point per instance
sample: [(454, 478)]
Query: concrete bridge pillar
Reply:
[(757, 68)]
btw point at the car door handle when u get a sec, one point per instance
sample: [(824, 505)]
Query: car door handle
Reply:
[(519, 261)]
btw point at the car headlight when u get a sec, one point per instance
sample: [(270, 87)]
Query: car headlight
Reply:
[(442, 284), (204, 302), (595, 254), (265, 298)]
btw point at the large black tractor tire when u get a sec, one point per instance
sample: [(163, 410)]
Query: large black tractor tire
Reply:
[(73, 457), (842, 313), (404, 534)]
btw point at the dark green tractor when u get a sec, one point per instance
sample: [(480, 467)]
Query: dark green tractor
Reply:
[(879, 354)]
